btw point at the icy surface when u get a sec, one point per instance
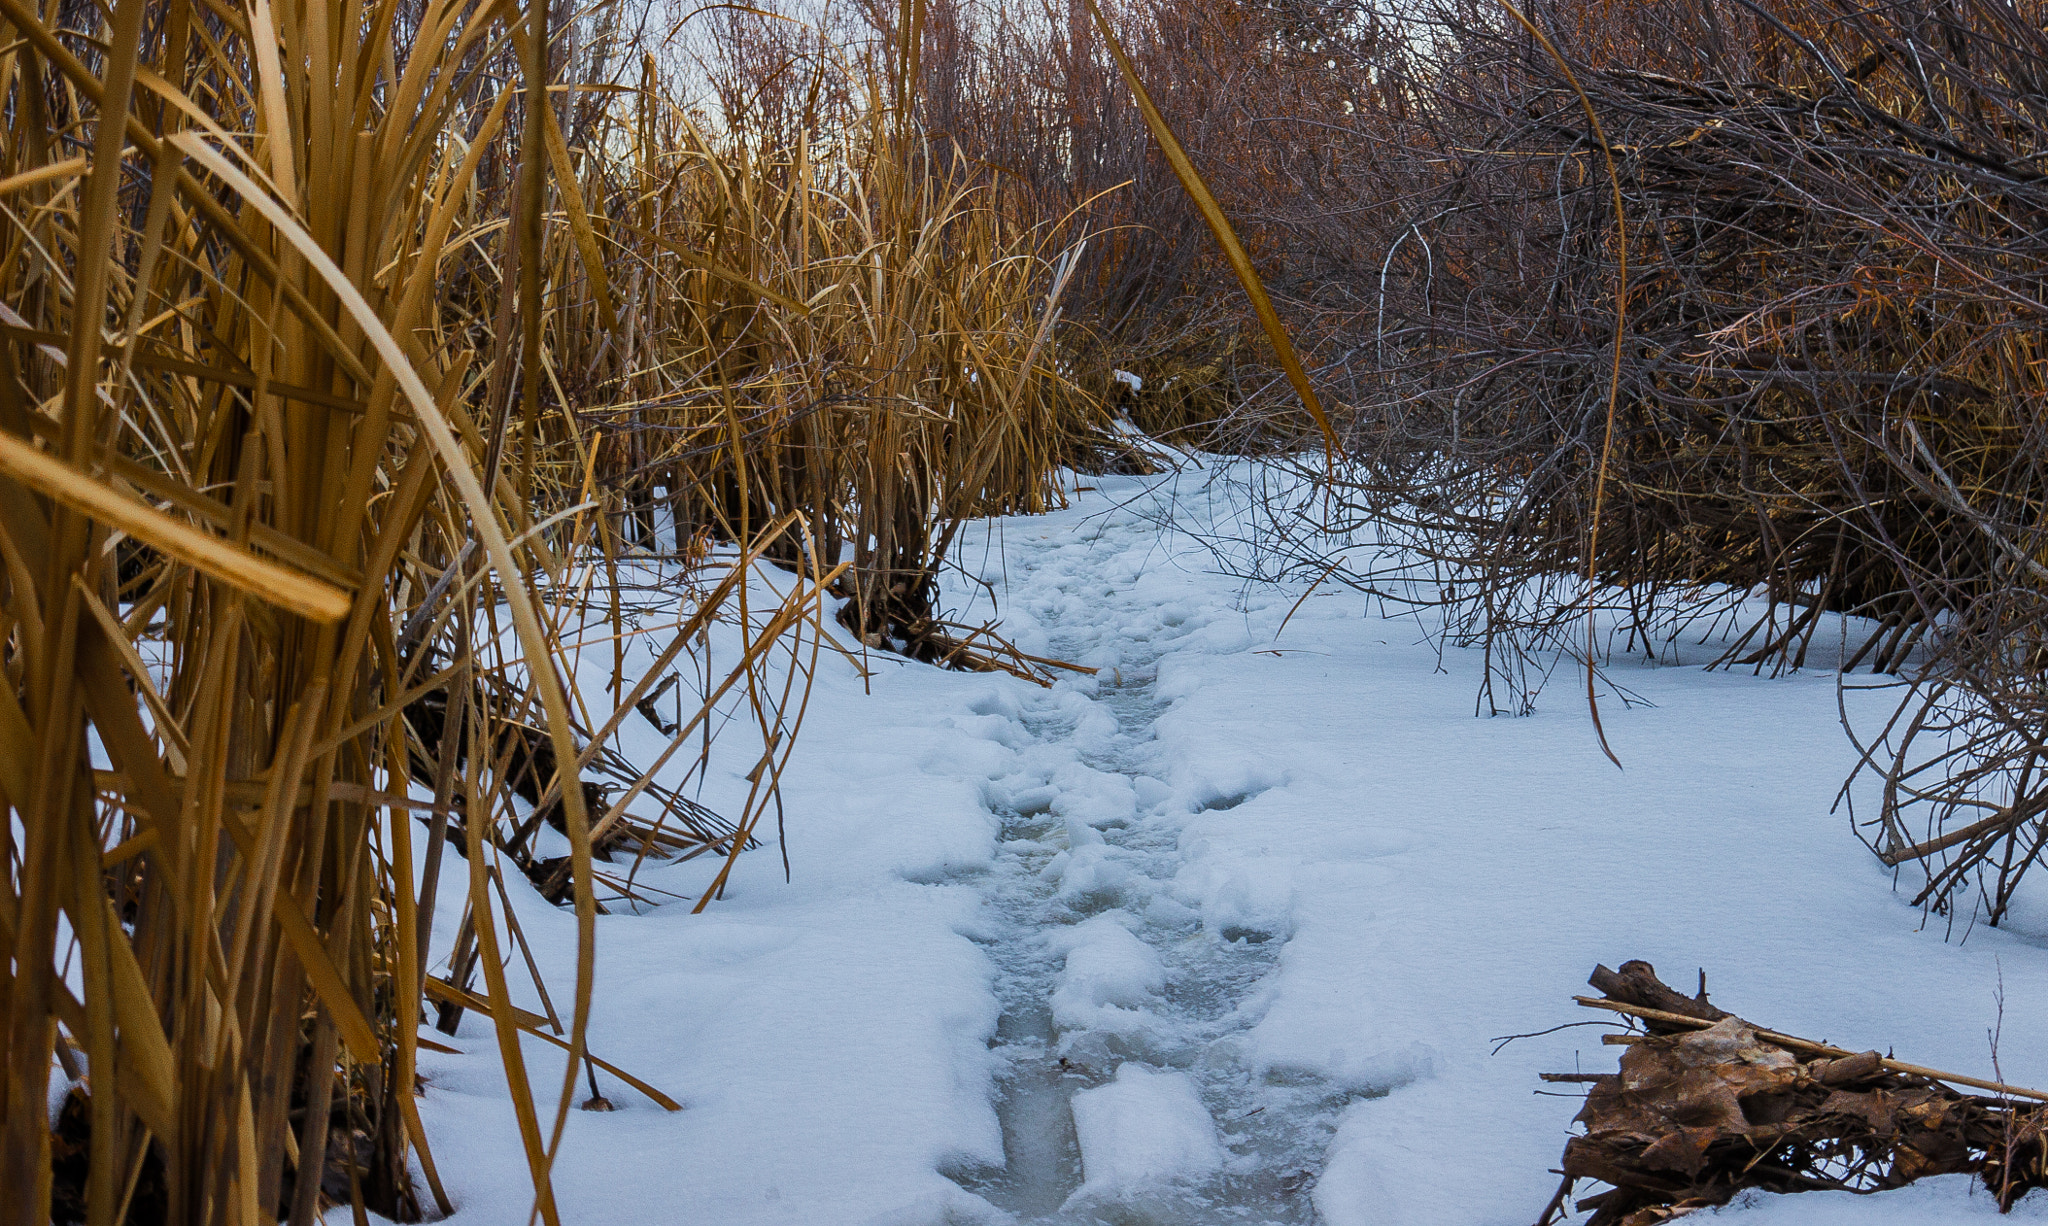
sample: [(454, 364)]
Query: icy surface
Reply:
[(1284, 879)]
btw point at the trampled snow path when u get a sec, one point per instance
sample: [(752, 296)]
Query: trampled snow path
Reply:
[(1271, 896), (1112, 987)]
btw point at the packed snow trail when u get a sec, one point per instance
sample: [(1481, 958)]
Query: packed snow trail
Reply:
[(1113, 989), (1271, 897)]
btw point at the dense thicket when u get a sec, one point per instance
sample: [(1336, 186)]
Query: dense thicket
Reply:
[(1819, 379)]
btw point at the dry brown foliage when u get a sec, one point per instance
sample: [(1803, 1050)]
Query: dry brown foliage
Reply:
[(1829, 389), (1706, 1105), (344, 351)]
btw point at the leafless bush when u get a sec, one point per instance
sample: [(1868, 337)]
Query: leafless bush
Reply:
[(1829, 380)]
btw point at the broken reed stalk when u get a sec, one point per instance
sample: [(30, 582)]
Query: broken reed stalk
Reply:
[(1682, 1022), (1606, 456), (1225, 235)]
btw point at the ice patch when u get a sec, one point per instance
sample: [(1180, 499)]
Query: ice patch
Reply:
[(1092, 876), (1029, 801), (1094, 797)]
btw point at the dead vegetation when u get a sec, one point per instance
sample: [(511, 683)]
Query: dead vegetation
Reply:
[(1707, 1105), (366, 372), (1809, 409)]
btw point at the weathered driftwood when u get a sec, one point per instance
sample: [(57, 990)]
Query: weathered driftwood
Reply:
[(1706, 1105)]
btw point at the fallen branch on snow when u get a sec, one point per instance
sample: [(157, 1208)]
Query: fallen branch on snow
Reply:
[(1707, 1105)]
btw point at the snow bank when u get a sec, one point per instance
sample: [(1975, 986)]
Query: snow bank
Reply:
[(827, 1035)]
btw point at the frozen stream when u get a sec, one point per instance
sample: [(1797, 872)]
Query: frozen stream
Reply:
[(1120, 1004)]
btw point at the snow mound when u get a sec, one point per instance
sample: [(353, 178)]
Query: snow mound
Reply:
[(1109, 978), (1144, 1128)]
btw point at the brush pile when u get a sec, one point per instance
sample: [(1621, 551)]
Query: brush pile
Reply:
[(1707, 1105)]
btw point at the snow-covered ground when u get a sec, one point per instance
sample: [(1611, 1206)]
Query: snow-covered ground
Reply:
[(1224, 932)]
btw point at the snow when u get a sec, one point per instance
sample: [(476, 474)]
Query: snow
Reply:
[(1226, 931), (1931, 1200), (1145, 1127), (1109, 979)]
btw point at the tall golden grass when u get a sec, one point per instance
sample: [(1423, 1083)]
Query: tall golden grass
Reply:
[(844, 323), (346, 347), (230, 367)]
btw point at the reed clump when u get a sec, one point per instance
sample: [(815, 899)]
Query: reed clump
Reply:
[(246, 441), (843, 322), (361, 363)]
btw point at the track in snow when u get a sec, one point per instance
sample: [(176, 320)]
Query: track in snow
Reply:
[(1424, 881), (1085, 858)]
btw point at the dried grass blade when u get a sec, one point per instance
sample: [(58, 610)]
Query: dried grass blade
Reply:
[(1226, 236), (246, 572)]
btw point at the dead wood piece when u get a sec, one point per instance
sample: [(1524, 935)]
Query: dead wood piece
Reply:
[(1636, 983), (1704, 1107), (1848, 1069)]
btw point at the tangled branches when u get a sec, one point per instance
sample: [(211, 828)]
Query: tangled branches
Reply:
[(1831, 387)]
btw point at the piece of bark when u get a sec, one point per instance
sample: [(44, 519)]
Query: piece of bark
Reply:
[(1849, 1069), (1701, 1110), (1636, 983)]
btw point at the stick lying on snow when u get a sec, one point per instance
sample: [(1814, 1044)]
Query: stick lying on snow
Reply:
[(1706, 1105)]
